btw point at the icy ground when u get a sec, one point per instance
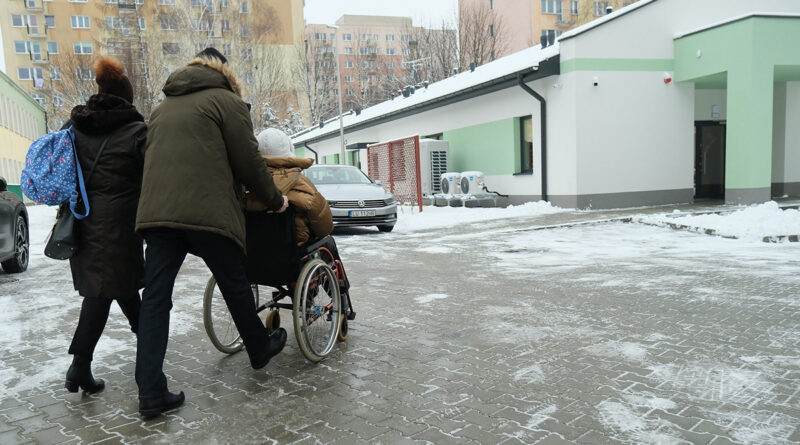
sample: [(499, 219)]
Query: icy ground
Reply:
[(473, 326)]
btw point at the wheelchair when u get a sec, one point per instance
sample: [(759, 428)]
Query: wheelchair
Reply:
[(312, 276)]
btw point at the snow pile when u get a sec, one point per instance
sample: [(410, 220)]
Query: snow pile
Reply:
[(753, 222), (431, 217)]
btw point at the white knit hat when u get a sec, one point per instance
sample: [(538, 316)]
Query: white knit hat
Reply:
[(274, 143)]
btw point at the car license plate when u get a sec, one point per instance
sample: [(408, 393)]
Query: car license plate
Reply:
[(357, 213)]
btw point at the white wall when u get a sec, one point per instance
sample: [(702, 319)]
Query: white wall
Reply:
[(635, 133), (704, 100), (507, 103)]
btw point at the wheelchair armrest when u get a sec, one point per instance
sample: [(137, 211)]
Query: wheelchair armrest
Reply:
[(314, 245)]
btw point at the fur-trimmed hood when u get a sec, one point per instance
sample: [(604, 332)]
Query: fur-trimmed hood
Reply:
[(201, 74)]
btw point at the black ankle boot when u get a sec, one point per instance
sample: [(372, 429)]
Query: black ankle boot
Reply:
[(79, 374)]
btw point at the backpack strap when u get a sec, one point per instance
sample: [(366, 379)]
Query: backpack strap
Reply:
[(81, 182)]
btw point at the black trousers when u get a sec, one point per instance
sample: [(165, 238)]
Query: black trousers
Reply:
[(165, 253), (92, 321)]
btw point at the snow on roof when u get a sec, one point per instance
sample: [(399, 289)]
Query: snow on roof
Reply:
[(501, 67), (606, 18)]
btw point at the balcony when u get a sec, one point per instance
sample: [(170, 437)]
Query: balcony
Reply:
[(36, 31), (34, 5)]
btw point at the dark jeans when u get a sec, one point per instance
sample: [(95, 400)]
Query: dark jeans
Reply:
[(166, 250), (92, 321)]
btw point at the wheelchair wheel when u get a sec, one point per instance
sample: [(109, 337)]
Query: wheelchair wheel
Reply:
[(343, 329), (273, 321), (317, 310), (218, 321)]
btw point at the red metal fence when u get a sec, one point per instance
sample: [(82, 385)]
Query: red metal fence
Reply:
[(396, 165)]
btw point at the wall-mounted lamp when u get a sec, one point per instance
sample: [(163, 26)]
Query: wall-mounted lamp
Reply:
[(595, 81)]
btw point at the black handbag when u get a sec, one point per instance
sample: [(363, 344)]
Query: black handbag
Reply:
[(63, 241), (64, 238)]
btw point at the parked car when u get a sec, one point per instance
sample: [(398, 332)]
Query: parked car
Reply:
[(14, 240), (354, 198)]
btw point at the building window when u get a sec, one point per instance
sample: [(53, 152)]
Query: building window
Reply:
[(390, 65), (391, 51), (39, 97), (24, 74), (244, 31), (166, 2), (348, 64), (390, 37), (58, 100), (349, 91), (600, 8), (55, 73), (376, 37), (77, 1), (491, 5), (363, 51), (110, 2), (551, 6), (20, 47), (347, 37), (526, 144), (50, 21), (169, 23), (320, 36), (406, 52), (142, 23), (80, 21), (406, 37), (349, 78), (85, 73), (363, 37), (244, 7), (365, 78), (52, 47), (333, 36), (225, 25), (247, 53), (226, 49), (574, 7), (170, 48), (348, 50), (491, 30), (82, 47), (550, 35)]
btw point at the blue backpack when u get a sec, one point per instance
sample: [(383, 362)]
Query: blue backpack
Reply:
[(51, 172)]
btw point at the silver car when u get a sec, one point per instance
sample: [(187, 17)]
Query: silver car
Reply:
[(354, 198)]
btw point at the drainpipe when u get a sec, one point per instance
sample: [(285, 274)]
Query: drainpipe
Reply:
[(316, 157), (543, 113)]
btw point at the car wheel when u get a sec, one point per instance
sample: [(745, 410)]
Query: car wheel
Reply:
[(21, 248), (385, 228)]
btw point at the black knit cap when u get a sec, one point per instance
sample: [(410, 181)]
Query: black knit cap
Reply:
[(211, 52)]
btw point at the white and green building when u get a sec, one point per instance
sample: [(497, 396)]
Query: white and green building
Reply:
[(663, 101)]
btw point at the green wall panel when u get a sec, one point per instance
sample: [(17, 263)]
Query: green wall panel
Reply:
[(300, 152), (748, 51), (492, 148)]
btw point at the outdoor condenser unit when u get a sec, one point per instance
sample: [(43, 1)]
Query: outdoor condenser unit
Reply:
[(451, 183), (433, 159), (472, 183)]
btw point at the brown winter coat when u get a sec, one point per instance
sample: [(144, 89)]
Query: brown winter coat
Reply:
[(312, 218), (109, 263), (200, 150)]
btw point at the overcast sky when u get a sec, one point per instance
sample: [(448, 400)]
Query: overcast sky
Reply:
[(423, 12)]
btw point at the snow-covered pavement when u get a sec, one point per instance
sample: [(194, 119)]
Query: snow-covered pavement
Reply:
[(473, 326)]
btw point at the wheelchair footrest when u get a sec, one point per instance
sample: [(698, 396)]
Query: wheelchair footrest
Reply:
[(351, 315)]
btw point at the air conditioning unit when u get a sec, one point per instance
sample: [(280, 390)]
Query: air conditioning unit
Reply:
[(433, 162), (472, 183), (450, 183)]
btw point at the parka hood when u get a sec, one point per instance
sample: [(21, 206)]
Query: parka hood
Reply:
[(104, 112), (201, 74)]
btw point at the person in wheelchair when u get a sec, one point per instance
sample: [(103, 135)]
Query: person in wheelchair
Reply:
[(313, 219)]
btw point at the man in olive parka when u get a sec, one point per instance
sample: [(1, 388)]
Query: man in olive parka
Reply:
[(200, 151)]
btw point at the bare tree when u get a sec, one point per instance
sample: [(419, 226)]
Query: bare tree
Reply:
[(318, 67), (481, 34), (71, 84)]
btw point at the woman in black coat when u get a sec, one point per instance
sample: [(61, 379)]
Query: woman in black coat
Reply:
[(109, 264)]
